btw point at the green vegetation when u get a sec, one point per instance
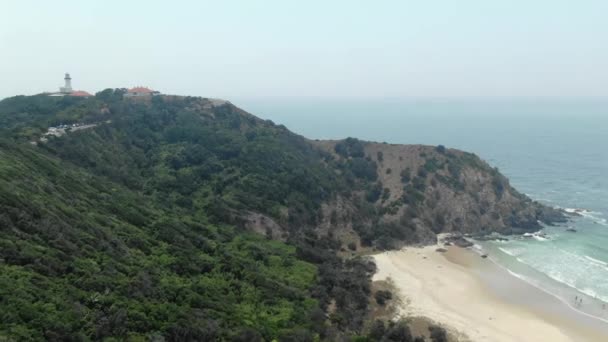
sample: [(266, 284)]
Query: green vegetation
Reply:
[(412, 195), (382, 296), (432, 165), (350, 147), (438, 334), (363, 168), (140, 228), (386, 193), (400, 332), (134, 229), (81, 257), (374, 192), (406, 175)]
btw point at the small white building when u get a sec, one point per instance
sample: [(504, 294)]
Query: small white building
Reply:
[(67, 88)]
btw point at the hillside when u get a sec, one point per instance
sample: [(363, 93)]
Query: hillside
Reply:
[(189, 219), (419, 191)]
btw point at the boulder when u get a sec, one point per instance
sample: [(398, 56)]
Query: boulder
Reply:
[(463, 243), (458, 240)]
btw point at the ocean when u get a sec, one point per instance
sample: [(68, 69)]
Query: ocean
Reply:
[(553, 150)]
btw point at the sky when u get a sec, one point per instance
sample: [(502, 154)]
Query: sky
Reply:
[(342, 49)]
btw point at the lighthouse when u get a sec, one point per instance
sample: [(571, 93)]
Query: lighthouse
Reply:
[(67, 88)]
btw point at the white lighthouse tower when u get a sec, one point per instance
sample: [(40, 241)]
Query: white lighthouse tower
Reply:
[(67, 88)]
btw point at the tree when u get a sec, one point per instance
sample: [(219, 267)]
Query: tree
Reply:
[(350, 147), (298, 335), (247, 335), (377, 330), (398, 332), (382, 296), (438, 334)]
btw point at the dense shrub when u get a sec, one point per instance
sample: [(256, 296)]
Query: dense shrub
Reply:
[(363, 168), (377, 330), (350, 147), (438, 334), (374, 192), (406, 175), (398, 332), (382, 296)]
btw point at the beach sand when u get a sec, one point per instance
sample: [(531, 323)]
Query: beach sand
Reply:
[(478, 300)]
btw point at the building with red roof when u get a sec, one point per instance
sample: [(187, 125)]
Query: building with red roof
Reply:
[(80, 93), (141, 92)]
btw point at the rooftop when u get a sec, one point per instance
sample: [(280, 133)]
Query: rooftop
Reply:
[(140, 90), (80, 93)]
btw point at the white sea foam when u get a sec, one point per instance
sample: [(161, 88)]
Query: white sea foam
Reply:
[(585, 259), (512, 252), (517, 275), (576, 210), (596, 261), (558, 276), (564, 301), (588, 214), (595, 217), (574, 255), (539, 236)]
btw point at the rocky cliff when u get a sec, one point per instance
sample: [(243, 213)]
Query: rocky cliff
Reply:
[(420, 191)]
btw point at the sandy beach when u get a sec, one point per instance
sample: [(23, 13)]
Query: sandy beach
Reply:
[(455, 289)]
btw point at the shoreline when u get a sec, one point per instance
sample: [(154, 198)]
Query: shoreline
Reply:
[(479, 299), (574, 308)]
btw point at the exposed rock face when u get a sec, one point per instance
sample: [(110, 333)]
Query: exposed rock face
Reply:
[(429, 190), (264, 225), (389, 195)]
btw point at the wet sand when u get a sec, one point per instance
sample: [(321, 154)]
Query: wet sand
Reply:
[(479, 300)]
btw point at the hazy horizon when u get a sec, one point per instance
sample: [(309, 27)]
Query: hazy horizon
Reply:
[(281, 49)]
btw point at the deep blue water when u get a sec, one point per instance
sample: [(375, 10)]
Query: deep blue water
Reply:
[(554, 150)]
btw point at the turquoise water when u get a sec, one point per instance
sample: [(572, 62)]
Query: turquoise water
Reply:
[(555, 151)]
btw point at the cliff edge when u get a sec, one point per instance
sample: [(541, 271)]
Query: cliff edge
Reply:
[(418, 191)]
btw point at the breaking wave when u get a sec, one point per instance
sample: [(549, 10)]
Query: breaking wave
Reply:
[(596, 261)]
